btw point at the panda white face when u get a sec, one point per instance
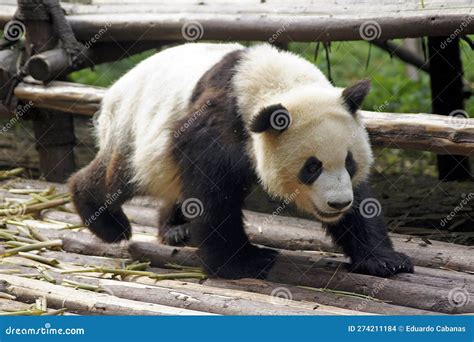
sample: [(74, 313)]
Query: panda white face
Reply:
[(318, 158)]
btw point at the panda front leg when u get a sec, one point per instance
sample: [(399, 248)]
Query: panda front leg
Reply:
[(214, 188), (363, 236), (214, 211)]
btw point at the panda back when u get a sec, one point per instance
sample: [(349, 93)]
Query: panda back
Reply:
[(155, 93)]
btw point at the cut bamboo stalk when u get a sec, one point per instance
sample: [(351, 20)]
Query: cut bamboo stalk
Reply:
[(32, 247), (83, 302)]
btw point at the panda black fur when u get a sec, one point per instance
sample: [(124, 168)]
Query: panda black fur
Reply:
[(202, 122)]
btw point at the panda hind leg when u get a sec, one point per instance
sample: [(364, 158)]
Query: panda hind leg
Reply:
[(173, 226), (98, 192)]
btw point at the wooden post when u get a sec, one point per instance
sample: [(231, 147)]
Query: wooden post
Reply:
[(447, 96), (54, 133)]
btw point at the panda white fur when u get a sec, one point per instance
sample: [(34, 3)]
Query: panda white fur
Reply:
[(202, 122)]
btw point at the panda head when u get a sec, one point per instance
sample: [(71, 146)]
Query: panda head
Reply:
[(310, 146)]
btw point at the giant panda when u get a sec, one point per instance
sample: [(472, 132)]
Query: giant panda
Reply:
[(203, 122)]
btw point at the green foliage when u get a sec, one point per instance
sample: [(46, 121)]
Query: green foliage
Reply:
[(104, 75)]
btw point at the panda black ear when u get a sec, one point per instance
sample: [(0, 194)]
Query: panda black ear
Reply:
[(274, 118), (354, 95)]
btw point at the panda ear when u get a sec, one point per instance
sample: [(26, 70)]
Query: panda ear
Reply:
[(274, 118), (355, 94)]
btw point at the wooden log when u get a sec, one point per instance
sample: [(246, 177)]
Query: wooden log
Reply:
[(256, 286), (84, 242), (299, 234), (82, 301), (52, 64), (209, 299), (315, 275), (301, 268), (301, 20), (430, 132)]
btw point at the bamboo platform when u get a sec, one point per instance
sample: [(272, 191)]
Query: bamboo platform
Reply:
[(52, 265)]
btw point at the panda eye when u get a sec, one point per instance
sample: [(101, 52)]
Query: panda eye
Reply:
[(310, 171), (313, 168)]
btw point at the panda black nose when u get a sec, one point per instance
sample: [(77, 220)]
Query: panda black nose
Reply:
[(339, 205)]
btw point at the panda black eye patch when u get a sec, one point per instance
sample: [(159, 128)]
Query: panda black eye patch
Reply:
[(310, 171), (351, 165)]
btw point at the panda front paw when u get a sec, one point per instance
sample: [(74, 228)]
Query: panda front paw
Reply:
[(383, 264), (177, 236), (249, 262)]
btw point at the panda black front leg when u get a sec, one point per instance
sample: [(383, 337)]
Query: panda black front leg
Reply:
[(215, 173), (363, 236)]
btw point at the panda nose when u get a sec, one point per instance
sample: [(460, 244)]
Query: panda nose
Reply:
[(339, 205)]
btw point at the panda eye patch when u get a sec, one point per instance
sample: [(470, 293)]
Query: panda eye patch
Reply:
[(351, 165), (310, 171)]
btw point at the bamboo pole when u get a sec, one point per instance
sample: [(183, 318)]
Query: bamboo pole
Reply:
[(429, 132), (82, 301)]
